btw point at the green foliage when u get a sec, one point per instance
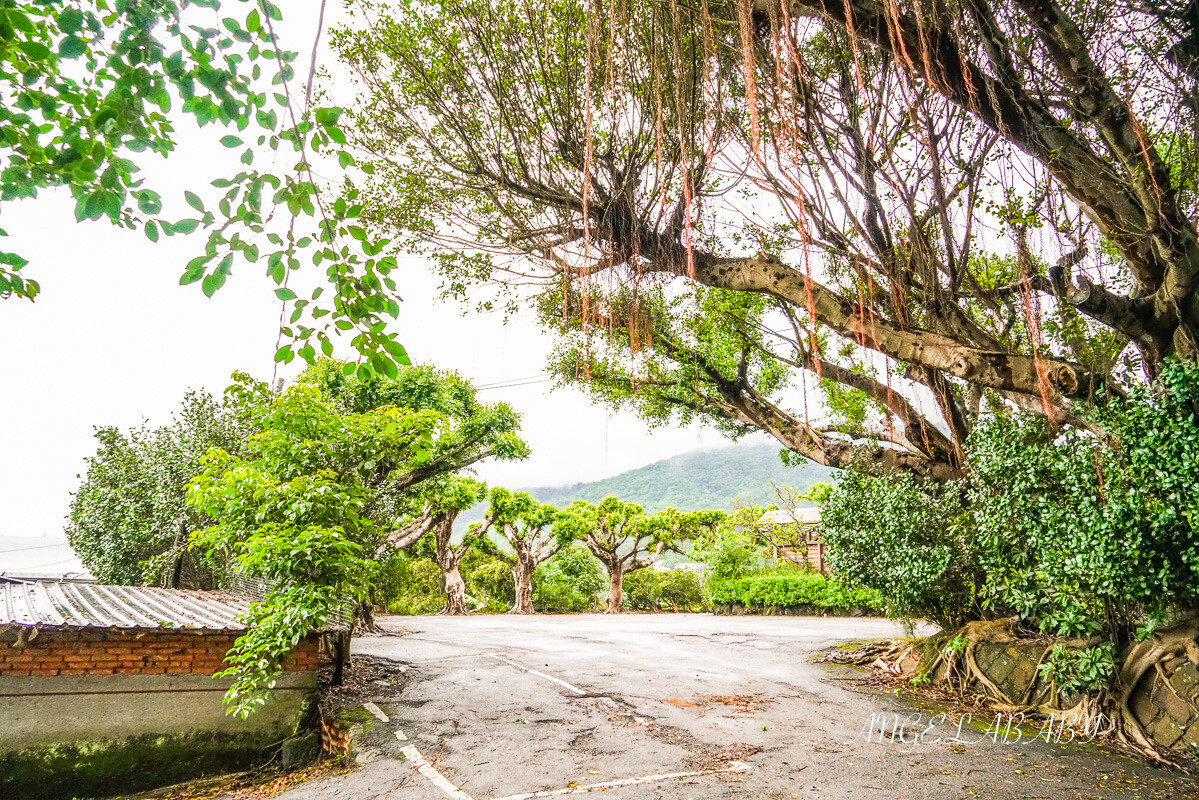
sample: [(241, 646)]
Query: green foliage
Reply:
[(793, 589), (309, 504), (1078, 671), (728, 555), (903, 540), (1085, 535), (663, 590), (90, 87), (125, 517), (714, 329), (409, 585), (955, 646), (470, 429), (489, 584), (1077, 533), (569, 581)]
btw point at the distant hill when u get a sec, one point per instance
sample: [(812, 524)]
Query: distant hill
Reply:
[(691, 481)]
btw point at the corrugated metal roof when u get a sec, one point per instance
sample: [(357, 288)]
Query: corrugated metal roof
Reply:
[(77, 605), (790, 516)]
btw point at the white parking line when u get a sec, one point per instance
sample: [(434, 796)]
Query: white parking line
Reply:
[(734, 766), (512, 663), (436, 778), (451, 658), (378, 712)]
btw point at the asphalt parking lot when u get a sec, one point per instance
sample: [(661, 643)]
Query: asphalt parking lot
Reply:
[(680, 706)]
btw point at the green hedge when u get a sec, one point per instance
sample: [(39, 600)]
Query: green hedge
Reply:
[(793, 589)]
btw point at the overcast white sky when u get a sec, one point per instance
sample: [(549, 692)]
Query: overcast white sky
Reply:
[(114, 339)]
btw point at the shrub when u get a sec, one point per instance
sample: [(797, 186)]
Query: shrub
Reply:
[(569, 581), (907, 542), (794, 589), (1076, 671), (409, 585), (1085, 535), (663, 590), (729, 554), (489, 583)]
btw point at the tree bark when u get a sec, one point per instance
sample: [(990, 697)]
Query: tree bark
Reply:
[(448, 558), (522, 577), (615, 589), (455, 592)]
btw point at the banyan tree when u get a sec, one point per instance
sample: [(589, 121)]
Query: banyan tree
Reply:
[(902, 212)]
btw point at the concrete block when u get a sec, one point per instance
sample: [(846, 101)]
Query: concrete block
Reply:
[(1143, 707), (985, 655), (1000, 668), (1189, 741), (1186, 680), (1022, 675), (1180, 710), (1165, 731), (302, 750)]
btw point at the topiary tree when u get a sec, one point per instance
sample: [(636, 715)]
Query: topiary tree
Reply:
[(624, 538), (129, 521), (528, 528), (444, 502)]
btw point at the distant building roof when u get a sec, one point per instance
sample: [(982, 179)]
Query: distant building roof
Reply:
[(24, 576), (791, 516), (78, 605)]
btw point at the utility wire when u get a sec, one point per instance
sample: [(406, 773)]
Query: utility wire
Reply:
[(48, 564), (38, 547), (512, 385), (505, 381)]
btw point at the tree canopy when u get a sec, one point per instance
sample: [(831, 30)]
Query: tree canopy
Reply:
[(929, 209), (624, 538), (128, 520), (527, 526), (318, 496)]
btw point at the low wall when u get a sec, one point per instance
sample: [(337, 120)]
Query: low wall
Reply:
[(100, 712)]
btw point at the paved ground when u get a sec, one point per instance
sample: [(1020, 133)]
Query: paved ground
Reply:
[(518, 707)]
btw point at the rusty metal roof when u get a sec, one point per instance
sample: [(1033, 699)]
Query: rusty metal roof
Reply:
[(46, 604)]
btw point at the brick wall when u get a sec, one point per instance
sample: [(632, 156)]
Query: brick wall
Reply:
[(110, 651)]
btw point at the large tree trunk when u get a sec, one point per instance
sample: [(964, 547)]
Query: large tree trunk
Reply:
[(455, 592), (615, 589), (448, 558), (522, 577)]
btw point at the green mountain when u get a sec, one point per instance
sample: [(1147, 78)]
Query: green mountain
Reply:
[(691, 481)]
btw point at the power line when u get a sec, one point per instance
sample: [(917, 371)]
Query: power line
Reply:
[(506, 381), (37, 547), (511, 385), (49, 564)]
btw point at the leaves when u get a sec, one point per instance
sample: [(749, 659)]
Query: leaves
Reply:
[(67, 126), (337, 463)]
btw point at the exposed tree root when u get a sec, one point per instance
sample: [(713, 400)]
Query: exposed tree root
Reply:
[(1152, 653), (1107, 712)]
